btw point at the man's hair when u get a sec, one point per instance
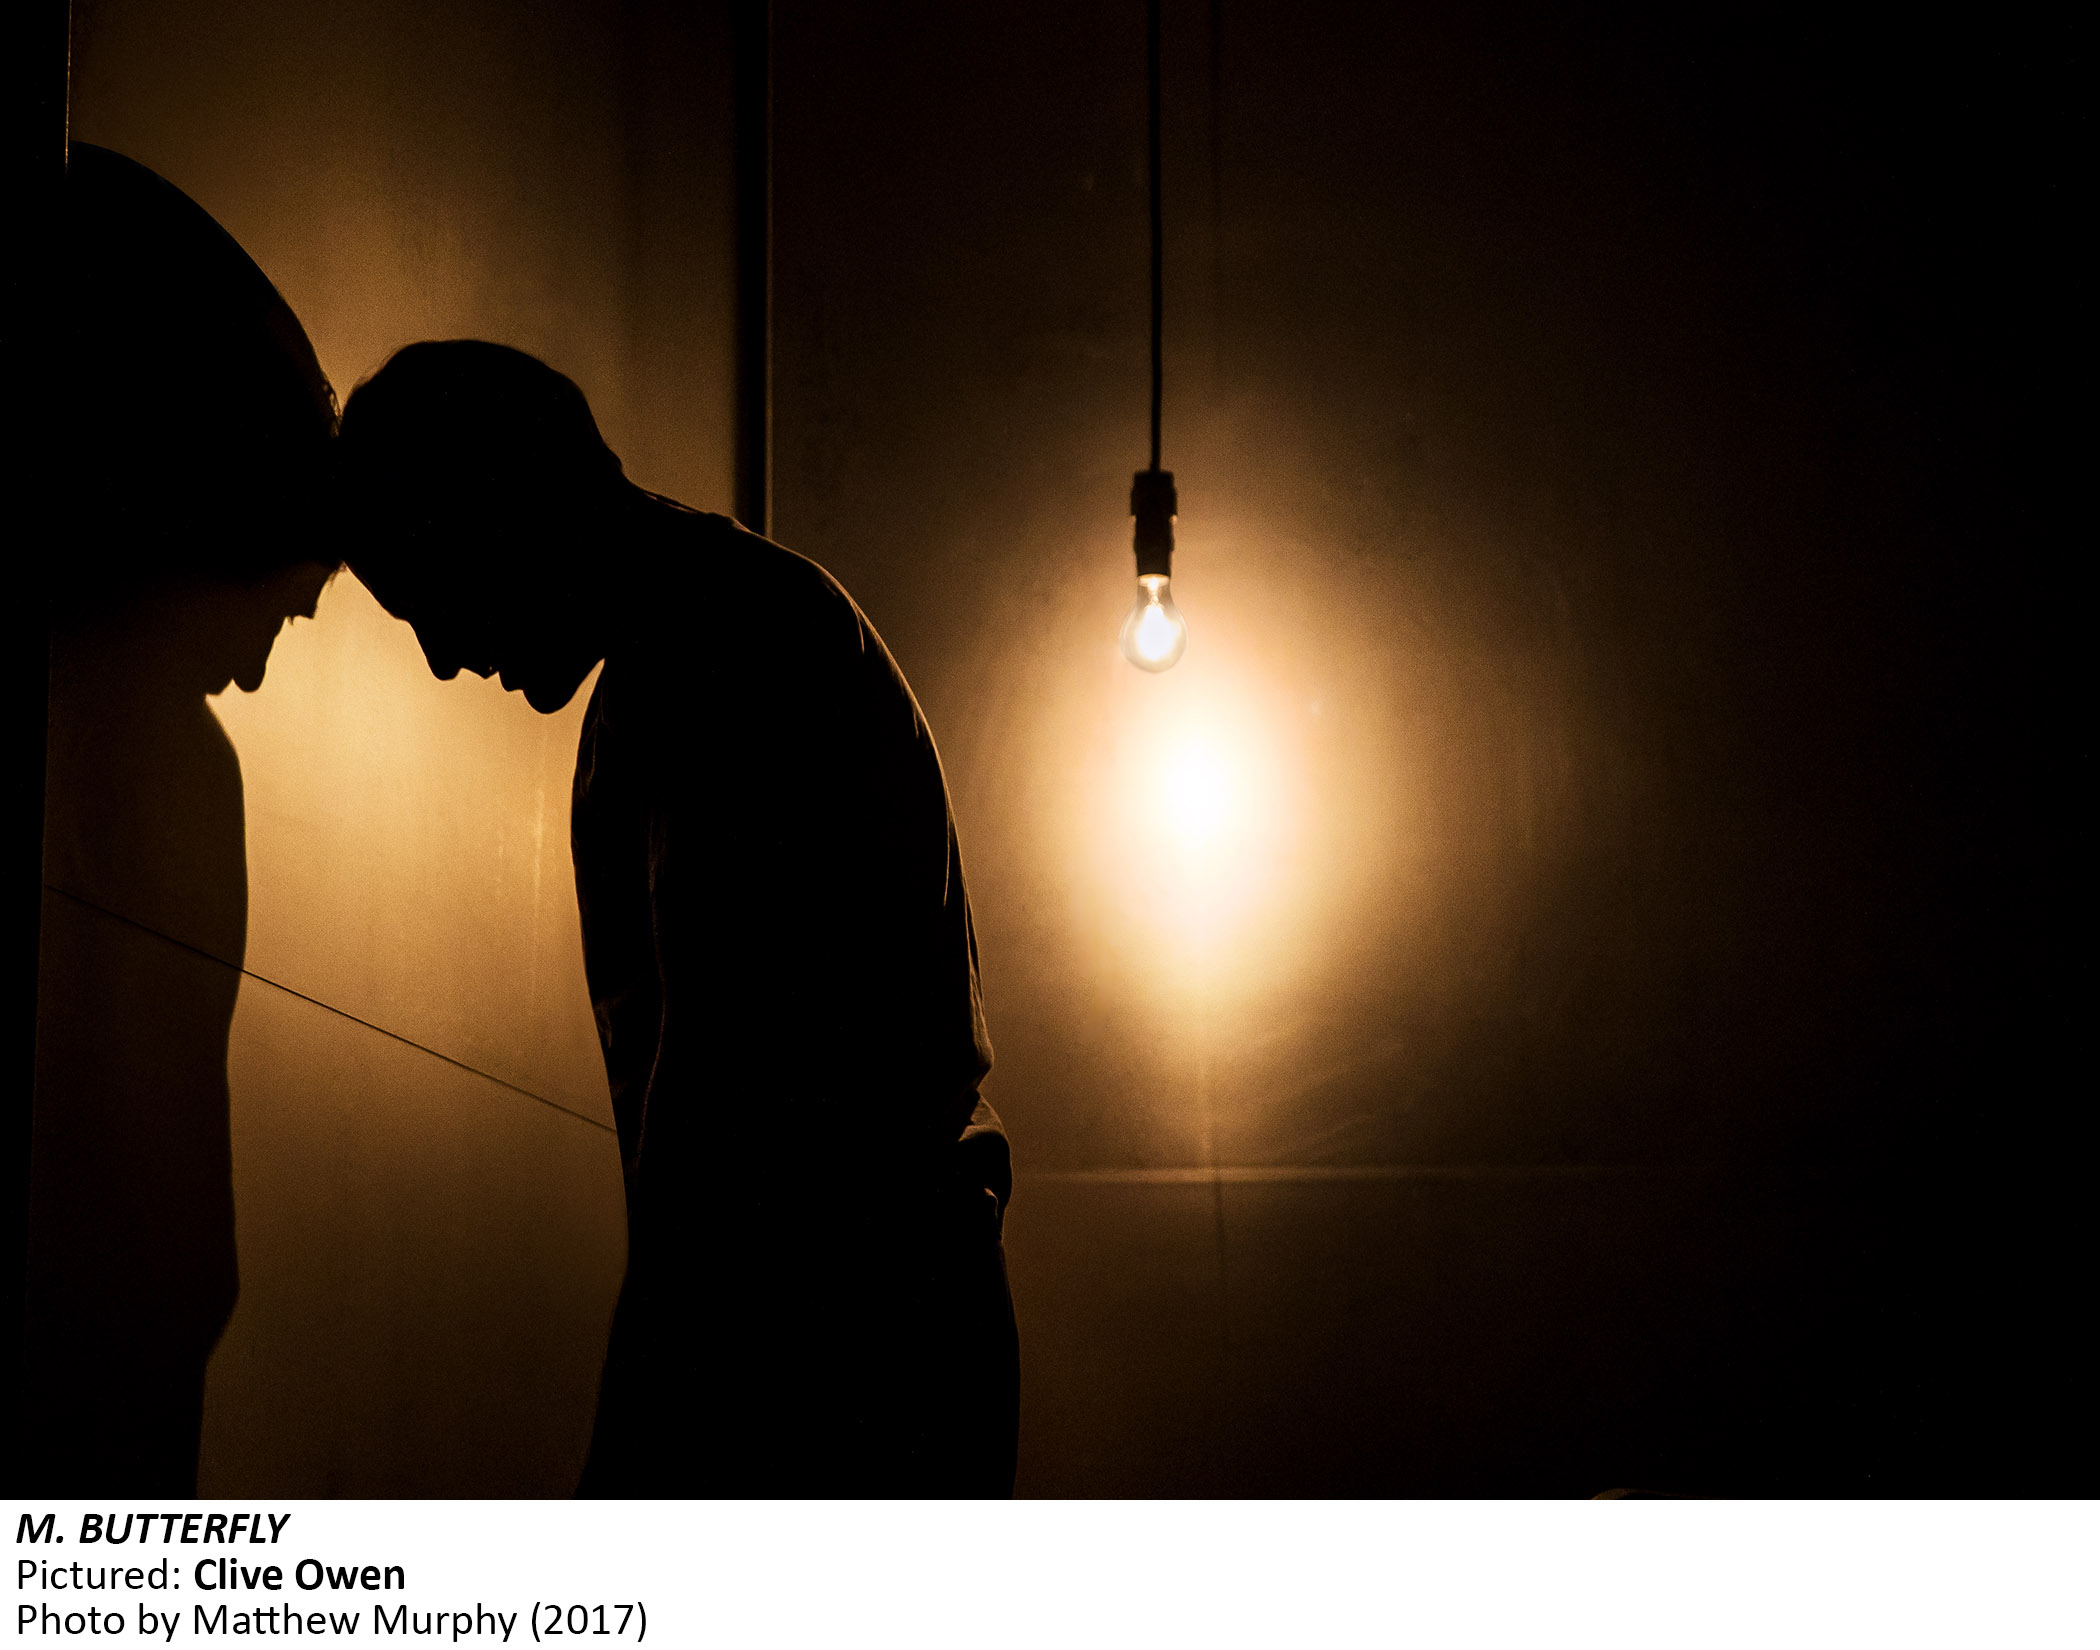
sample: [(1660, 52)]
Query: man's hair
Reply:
[(465, 436), (192, 418)]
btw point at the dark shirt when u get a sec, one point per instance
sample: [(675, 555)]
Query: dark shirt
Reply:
[(779, 950)]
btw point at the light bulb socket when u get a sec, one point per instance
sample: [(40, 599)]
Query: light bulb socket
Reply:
[(1152, 502)]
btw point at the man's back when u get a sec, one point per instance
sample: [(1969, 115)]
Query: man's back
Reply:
[(779, 950)]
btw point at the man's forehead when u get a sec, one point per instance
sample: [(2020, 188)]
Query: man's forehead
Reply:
[(406, 591)]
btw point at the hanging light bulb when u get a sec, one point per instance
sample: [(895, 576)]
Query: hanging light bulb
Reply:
[(1155, 635)]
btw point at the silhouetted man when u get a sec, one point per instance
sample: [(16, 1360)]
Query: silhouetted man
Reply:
[(776, 937), (192, 426)]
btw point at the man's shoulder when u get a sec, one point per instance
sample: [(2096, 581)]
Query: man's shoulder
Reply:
[(747, 615), (779, 590)]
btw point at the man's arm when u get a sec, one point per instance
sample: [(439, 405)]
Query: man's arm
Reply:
[(814, 949)]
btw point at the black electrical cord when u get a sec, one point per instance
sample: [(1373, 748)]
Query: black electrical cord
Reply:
[(1152, 499), (1152, 11)]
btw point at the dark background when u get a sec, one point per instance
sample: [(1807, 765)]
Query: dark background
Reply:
[(1625, 465), (1674, 404)]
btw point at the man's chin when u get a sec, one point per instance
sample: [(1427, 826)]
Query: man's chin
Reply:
[(548, 697)]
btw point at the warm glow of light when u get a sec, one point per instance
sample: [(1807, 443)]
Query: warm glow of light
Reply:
[(408, 849), (1193, 821), (1155, 634), (1211, 835), (1199, 796)]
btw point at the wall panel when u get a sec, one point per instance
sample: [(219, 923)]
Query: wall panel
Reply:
[(408, 850), (428, 1268)]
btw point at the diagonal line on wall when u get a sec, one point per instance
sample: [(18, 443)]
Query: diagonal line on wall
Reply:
[(279, 985)]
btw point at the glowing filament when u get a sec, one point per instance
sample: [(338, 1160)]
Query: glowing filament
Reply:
[(1155, 635)]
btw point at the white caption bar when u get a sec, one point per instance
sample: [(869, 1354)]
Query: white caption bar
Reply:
[(1626, 1573)]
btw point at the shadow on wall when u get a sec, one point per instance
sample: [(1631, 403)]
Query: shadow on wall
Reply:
[(196, 422)]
